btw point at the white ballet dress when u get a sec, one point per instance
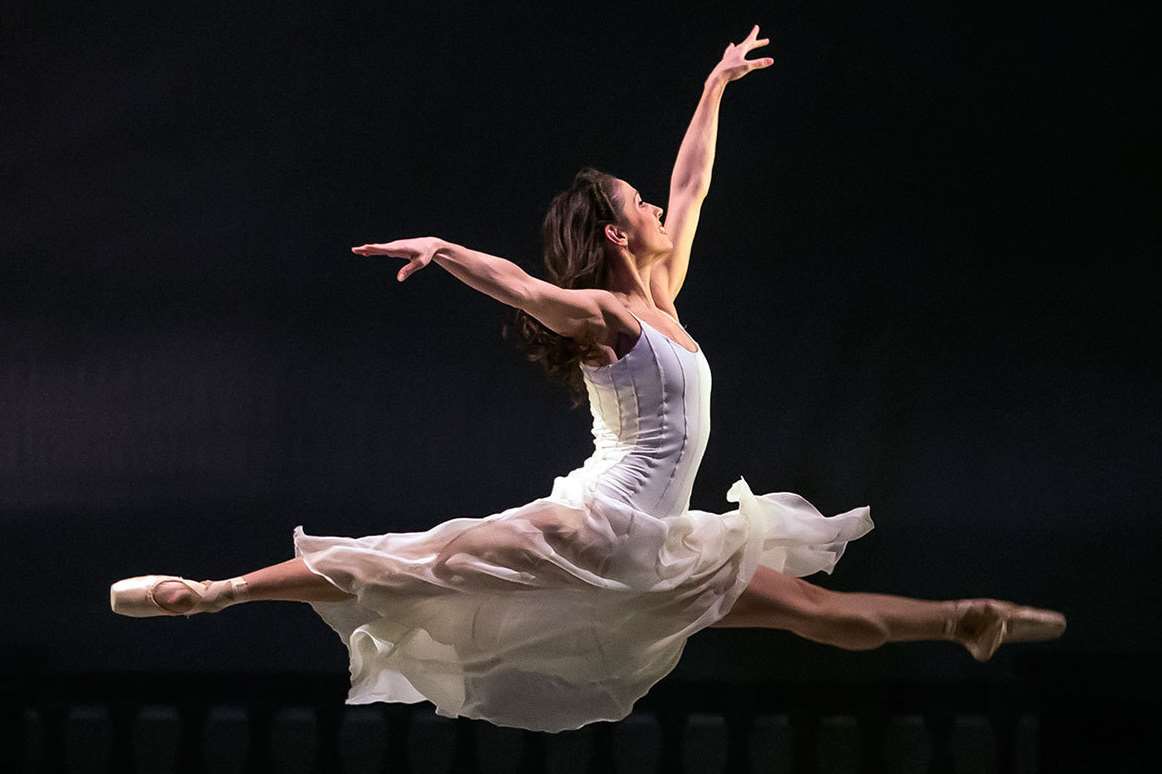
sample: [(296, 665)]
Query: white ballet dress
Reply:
[(568, 609)]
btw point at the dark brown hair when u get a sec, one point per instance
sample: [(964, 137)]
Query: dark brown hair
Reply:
[(574, 254)]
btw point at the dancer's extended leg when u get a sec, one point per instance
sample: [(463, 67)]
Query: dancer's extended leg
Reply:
[(289, 581), (862, 621), (850, 620)]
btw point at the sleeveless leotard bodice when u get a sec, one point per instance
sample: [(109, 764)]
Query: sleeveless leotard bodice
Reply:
[(651, 423)]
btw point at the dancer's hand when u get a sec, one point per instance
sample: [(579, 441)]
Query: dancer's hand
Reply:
[(418, 252), (734, 63)]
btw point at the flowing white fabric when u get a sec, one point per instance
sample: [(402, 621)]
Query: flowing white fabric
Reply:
[(568, 609)]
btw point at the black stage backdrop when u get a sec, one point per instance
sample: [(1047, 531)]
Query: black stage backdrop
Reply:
[(923, 280)]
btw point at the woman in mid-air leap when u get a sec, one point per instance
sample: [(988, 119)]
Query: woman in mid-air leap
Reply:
[(566, 610)]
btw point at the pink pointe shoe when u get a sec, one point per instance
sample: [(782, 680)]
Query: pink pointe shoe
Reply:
[(983, 625), (134, 596)]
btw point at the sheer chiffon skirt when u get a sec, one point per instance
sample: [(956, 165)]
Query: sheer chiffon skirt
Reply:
[(559, 612)]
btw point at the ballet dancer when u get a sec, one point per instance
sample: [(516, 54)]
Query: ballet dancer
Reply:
[(566, 609)]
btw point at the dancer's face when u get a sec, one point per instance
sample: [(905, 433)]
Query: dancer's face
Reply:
[(641, 230)]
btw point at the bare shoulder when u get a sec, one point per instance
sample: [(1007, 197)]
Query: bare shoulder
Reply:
[(616, 315), (615, 328), (613, 318)]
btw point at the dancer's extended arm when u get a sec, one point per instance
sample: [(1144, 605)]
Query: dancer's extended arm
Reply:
[(690, 180), (568, 312)]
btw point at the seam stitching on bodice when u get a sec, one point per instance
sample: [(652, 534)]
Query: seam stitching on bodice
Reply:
[(617, 402), (686, 423), (663, 402), (637, 408), (599, 391)]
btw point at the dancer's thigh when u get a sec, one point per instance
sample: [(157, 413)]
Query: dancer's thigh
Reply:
[(774, 600)]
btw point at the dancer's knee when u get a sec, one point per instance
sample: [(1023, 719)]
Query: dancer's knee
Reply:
[(773, 600)]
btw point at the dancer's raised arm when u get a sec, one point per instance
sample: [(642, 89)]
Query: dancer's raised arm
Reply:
[(567, 312), (690, 179)]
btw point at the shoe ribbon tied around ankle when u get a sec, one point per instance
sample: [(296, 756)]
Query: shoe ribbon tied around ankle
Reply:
[(219, 595)]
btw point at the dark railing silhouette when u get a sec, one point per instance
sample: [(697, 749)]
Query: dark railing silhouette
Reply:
[(1049, 720)]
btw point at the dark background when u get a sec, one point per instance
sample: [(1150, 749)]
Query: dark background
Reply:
[(925, 279)]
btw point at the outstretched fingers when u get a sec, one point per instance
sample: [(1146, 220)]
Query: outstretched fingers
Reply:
[(374, 248), (750, 43)]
